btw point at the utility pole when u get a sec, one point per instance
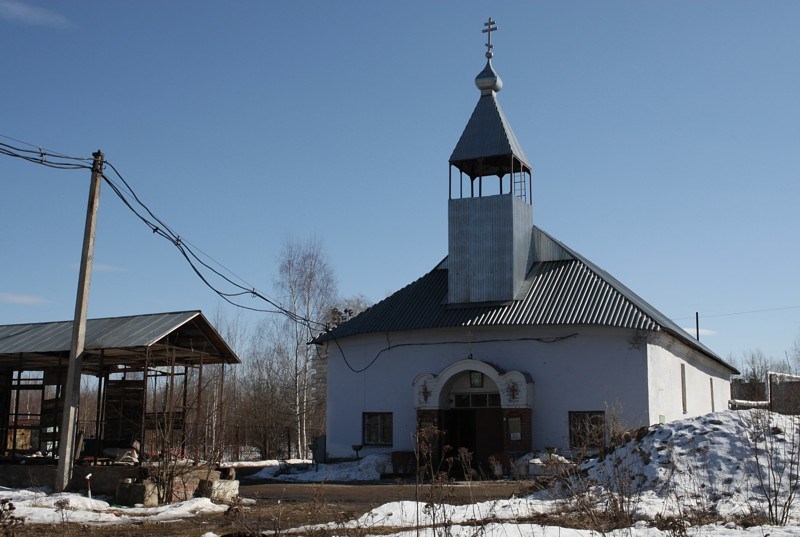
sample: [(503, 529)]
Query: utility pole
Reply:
[(697, 325), (72, 384)]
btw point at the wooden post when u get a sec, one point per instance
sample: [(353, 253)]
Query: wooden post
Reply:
[(66, 444)]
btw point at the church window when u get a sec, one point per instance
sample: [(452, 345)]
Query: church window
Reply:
[(711, 386), (683, 389), (475, 379), (515, 428), (377, 428), (476, 400)]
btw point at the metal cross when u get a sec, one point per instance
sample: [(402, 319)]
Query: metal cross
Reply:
[(490, 27)]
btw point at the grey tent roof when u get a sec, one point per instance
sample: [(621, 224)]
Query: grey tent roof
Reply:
[(119, 339), (488, 143), (563, 289)]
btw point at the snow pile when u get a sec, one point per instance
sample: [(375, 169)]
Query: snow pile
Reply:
[(534, 530), (543, 464), (405, 514), (263, 463), (367, 469), (727, 461), (38, 507)]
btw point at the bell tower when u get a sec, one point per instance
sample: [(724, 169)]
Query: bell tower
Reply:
[(490, 210)]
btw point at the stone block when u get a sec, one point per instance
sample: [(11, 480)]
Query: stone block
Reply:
[(219, 490), (130, 494)]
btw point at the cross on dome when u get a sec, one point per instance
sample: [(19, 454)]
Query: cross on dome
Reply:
[(491, 26)]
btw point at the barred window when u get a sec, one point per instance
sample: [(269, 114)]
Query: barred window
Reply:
[(377, 428)]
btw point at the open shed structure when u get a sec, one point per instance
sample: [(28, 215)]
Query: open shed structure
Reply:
[(150, 385)]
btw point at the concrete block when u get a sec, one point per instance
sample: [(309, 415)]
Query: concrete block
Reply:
[(219, 490), (130, 494)]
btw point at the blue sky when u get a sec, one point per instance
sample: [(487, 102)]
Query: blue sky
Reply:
[(663, 137)]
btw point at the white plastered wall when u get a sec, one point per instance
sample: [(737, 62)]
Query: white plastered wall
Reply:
[(591, 369), (665, 355)]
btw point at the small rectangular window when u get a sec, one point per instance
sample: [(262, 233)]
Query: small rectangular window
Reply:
[(587, 429), (475, 379), (515, 428), (478, 400), (683, 388), (461, 400), (377, 428), (711, 385)]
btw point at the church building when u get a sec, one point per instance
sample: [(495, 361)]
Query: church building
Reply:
[(514, 342)]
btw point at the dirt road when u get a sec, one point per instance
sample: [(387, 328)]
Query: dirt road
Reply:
[(362, 496)]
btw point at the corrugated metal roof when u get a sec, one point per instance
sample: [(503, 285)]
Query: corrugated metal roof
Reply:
[(487, 134), (136, 331), (562, 292)]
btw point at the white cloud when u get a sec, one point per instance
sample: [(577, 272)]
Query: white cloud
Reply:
[(703, 331), (36, 16), (12, 298)]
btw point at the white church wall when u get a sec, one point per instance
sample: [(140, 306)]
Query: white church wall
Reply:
[(594, 370), (681, 381)]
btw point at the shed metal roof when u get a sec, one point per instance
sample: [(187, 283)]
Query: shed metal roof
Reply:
[(120, 339), (564, 289)]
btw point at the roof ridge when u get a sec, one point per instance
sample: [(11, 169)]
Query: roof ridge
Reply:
[(107, 318), (608, 279)]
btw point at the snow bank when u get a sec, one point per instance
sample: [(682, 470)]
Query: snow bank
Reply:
[(263, 463), (38, 507), (726, 462), (367, 469)]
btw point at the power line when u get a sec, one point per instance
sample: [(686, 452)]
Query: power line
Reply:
[(188, 251), (766, 310), (130, 199), (553, 339), (45, 158), (46, 151)]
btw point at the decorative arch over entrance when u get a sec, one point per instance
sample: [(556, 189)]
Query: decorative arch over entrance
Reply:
[(494, 426), (432, 391)]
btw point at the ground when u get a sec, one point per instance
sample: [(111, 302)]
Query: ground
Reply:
[(727, 474), (279, 506)]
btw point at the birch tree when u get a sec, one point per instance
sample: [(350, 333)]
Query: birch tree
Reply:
[(307, 288)]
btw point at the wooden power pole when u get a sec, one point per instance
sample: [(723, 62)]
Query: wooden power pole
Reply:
[(72, 384)]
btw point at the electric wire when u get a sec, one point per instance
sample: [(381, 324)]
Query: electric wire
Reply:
[(554, 339), (730, 314), (40, 156), (43, 150), (188, 251)]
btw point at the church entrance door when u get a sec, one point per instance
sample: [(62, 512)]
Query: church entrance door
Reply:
[(480, 431)]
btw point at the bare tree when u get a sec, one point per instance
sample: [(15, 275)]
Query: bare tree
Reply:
[(307, 288), (346, 309), (794, 353), (267, 390), (219, 404)]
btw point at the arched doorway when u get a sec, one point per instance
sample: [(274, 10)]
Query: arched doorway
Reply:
[(473, 418), (478, 408)]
